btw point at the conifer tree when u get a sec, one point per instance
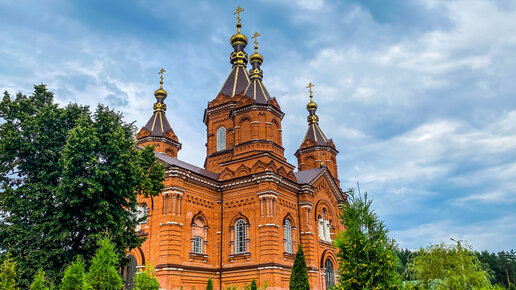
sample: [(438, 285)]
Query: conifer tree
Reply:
[(209, 286), (74, 276), (146, 280), (66, 174), (299, 273), (253, 285), (103, 274), (367, 254), (8, 274)]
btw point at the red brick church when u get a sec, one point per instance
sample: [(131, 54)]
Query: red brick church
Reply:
[(243, 215)]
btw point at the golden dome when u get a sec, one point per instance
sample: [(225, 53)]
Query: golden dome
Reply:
[(311, 106), (238, 38), (256, 57), (160, 93)]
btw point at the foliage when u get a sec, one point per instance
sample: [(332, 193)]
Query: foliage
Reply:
[(40, 282), (74, 277), (8, 274), (448, 267), (103, 274), (367, 254), (65, 175), (299, 273), (502, 266), (147, 280), (209, 286)]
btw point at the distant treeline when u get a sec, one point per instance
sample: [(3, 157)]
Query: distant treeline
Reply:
[(500, 266)]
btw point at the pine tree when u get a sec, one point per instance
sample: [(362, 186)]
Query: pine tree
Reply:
[(209, 286), (299, 273), (66, 174), (367, 254), (253, 285), (8, 274), (146, 280), (74, 277), (103, 274)]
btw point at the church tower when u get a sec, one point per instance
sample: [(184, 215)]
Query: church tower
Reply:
[(316, 150), (158, 131), (244, 121)]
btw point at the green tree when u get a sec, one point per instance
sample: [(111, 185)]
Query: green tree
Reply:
[(299, 273), (8, 274), (146, 280), (66, 174), (253, 285), (40, 282), (103, 274), (209, 286), (367, 254), (74, 277), (448, 267)]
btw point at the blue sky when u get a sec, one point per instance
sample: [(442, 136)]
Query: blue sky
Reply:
[(418, 96)]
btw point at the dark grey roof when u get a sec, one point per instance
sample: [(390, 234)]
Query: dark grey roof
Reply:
[(306, 176), (257, 91), (237, 81), (158, 124), (190, 167), (315, 134)]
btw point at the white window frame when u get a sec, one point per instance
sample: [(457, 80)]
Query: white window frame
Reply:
[(240, 236), (197, 245), (288, 236)]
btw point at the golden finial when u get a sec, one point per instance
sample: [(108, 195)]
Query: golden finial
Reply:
[(237, 12), (161, 77), (311, 105), (255, 36)]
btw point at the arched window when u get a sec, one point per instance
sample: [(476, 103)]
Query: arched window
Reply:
[(197, 245), (199, 235), (221, 139), (240, 237), (324, 226), (141, 214), (330, 274), (288, 236)]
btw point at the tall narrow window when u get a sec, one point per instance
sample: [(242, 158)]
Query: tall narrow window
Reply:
[(221, 139), (288, 236), (240, 237), (330, 274), (197, 245)]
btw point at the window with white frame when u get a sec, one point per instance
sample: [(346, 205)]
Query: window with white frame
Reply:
[(221, 139), (288, 236), (240, 237), (197, 245)]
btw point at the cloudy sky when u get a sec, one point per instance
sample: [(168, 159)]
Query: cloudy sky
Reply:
[(418, 95)]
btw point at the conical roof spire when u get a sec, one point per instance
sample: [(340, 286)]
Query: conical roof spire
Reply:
[(256, 90), (158, 124), (314, 132), (238, 78)]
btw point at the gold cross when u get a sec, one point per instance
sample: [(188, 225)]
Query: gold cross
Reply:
[(237, 11), (309, 87), (255, 36), (161, 73)]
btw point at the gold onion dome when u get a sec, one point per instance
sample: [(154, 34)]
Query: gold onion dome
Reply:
[(238, 38), (160, 93), (311, 106), (256, 57)]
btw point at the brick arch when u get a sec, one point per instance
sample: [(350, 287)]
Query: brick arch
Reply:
[(138, 254), (272, 167), (202, 216), (322, 203), (289, 217), (245, 130), (276, 134), (282, 171), (238, 216), (258, 167), (242, 171), (328, 254), (226, 174), (309, 162)]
